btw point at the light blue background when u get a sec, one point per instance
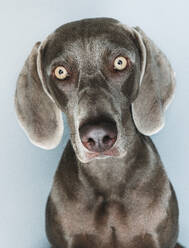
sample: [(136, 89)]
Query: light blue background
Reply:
[(26, 171)]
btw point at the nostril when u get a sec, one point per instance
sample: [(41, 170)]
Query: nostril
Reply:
[(106, 139), (91, 142)]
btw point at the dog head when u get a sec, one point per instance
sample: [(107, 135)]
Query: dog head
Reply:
[(109, 79)]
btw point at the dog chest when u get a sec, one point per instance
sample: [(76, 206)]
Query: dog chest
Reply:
[(106, 221)]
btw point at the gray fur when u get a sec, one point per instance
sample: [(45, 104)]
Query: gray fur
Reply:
[(121, 197), (37, 114), (156, 91)]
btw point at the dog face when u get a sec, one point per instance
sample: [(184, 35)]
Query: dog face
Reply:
[(94, 90), (97, 73)]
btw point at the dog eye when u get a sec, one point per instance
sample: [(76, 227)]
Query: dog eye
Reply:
[(60, 72), (120, 63)]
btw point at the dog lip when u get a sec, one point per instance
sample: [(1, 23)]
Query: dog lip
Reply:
[(113, 152)]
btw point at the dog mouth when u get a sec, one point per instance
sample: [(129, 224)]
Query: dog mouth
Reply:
[(100, 155), (98, 137)]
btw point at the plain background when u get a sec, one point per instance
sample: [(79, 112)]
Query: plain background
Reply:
[(27, 171)]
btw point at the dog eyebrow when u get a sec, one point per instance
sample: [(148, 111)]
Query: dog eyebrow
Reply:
[(118, 50), (111, 50), (63, 60)]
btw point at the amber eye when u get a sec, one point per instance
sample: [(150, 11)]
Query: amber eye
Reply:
[(60, 72), (120, 63)]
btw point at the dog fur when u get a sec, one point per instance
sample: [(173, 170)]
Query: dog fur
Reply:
[(122, 197)]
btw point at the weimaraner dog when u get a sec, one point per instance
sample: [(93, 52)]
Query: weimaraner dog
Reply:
[(114, 85)]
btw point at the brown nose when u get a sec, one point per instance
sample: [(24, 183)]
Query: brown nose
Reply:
[(98, 137)]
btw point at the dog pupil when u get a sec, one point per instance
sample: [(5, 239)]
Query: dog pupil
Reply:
[(119, 62)]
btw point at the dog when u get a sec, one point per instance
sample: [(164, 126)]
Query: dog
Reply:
[(114, 85)]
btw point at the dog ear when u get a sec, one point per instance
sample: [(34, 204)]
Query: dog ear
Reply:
[(156, 89), (37, 113)]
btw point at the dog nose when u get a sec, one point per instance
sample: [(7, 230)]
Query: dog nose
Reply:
[(98, 137)]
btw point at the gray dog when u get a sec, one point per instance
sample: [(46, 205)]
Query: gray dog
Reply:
[(114, 85)]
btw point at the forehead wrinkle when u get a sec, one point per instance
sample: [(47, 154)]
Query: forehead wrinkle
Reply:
[(86, 52), (93, 54)]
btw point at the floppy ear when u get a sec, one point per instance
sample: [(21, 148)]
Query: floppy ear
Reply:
[(156, 89), (36, 111)]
